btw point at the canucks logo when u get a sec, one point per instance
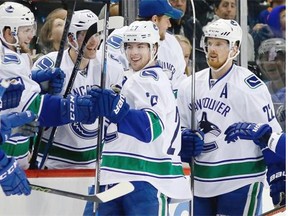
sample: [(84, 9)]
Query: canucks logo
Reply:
[(208, 127), (115, 41), (45, 63), (84, 131), (253, 81), (149, 73), (10, 59), (9, 9)]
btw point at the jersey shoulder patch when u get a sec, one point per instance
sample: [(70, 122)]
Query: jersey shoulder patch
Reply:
[(115, 41), (11, 59), (44, 63), (253, 81), (149, 74)]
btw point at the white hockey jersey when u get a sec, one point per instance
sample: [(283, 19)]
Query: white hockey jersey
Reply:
[(126, 158), (239, 96), (17, 66), (169, 55), (75, 144)]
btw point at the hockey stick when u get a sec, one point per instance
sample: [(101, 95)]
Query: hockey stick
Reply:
[(193, 121), (91, 31), (275, 211), (118, 190), (102, 85), (70, 7)]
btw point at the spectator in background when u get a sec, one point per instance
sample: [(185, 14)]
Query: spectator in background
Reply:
[(277, 21), (263, 15), (272, 62), (184, 26), (275, 27), (52, 30), (227, 9), (187, 49)]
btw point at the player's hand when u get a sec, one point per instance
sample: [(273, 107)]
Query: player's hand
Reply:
[(259, 133), (10, 93), (109, 104), (76, 108), (51, 80), (191, 145), (18, 124), (276, 177), (12, 178)]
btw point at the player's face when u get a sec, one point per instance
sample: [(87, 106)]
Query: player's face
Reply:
[(226, 9), (91, 47), (56, 32), (138, 55), (217, 52), (163, 23), (25, 35)]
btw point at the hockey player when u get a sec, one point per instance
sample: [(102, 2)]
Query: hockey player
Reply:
[(74, 144), (273, 147), (12, 178), (159, 12), (272, 63), (142, 142), (16, 30), (225, 94)]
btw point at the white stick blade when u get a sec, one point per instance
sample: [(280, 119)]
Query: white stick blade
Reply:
[(115, 22), (118, 190)]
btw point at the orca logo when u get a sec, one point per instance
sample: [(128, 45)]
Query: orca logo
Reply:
[(83, 132), (9, 9), (208, 127)]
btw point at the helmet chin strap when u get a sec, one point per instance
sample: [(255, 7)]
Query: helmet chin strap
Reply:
[(16, 44), (226, 62)]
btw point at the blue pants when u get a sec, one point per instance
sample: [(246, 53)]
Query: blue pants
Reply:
[(144, 200), (243, 201)]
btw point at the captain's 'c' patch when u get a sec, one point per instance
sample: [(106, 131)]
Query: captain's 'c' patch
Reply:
[(253, 81)]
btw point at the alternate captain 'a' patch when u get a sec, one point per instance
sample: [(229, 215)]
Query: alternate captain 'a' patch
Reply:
[(253, 81)]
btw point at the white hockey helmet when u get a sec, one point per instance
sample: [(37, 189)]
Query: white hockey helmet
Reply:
[(225, 29), (81, 21), (143, 32), (15, 15)]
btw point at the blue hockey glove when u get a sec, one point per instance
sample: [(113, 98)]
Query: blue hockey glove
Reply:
[(259, 133), (109, 104), (191, 144), (276, 177), (78, 109), (18, 124), (10, 93), (12, 178), (51, 80)]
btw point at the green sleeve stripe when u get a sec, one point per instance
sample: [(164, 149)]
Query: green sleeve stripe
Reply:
[(156, 125), (16, 150)]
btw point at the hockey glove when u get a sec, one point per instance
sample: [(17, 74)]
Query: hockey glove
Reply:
[(10, 93), (191, 145), (18, 124), (259, 133), (51, 80), (78, 109), (12, 178), (276, 177), (109, 104)]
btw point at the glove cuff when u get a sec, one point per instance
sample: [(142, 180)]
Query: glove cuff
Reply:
[(273, 140)]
